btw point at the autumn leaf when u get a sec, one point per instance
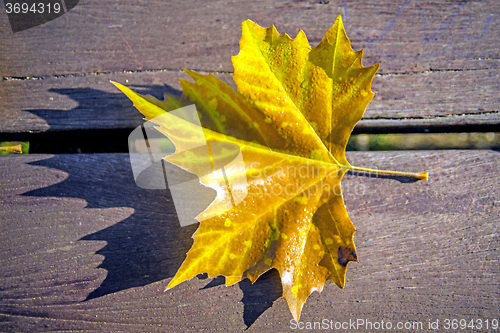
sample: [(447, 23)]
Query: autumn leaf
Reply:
[(291, 118)]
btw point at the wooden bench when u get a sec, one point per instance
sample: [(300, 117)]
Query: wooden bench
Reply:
[(84, 249)]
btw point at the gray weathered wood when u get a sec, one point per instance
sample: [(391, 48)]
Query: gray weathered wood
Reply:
[(119, 35), (439, 59), (418, 100), (84, 249)]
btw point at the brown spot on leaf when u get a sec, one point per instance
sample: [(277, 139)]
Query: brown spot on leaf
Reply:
[(345, 255)]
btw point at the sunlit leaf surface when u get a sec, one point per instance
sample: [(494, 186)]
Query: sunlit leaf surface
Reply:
[(291, 118)]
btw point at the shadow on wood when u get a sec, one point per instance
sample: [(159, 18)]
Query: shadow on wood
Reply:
[(146, 247), (102, 112), (260, 296), (149, 245), (257, 297)]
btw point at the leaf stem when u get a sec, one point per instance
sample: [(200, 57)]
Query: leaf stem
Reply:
[(418, 175)]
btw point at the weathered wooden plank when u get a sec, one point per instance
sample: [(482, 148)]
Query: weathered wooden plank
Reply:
[(411, 100), (98, 36), (84, 249)]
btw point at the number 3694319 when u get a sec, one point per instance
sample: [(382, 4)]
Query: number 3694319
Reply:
[(35, 8)]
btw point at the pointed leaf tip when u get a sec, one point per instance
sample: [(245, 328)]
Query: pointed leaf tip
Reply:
[(339, 19)]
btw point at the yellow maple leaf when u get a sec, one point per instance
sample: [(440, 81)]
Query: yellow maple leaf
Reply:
[(291, 118)]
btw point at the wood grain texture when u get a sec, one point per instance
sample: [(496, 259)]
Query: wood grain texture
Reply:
[(84, 249), (440, 59), (118, 35), (412, 100)]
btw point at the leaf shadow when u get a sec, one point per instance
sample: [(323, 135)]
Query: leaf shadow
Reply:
[(260, 296), (146, 247), (99, 108), (149, 245), (257, 297), (99, 122)]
